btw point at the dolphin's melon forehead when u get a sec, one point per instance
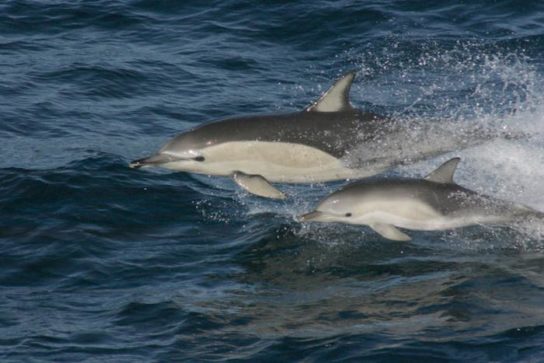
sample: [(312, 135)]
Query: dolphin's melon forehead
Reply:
[(184, 142), (208, 135)]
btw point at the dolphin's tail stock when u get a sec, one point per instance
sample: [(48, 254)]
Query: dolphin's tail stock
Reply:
[(528, 215), (484, 134), (537, 216), (514, 135)]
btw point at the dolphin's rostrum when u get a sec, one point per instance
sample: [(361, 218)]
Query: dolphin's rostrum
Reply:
[(433, 203)]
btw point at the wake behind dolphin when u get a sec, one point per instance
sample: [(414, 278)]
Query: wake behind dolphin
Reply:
[(433, 203), (329, 140)]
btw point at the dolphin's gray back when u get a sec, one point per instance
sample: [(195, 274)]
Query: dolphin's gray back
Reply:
[(332, 132)]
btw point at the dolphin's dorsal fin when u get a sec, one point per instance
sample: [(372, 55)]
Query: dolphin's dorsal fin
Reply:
[(444, 173), (336, 98)]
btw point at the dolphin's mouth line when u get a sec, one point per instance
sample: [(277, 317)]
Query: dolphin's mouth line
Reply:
[(160, 159), (309, 216)]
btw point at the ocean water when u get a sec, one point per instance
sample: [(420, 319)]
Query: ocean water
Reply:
[(102, 263)]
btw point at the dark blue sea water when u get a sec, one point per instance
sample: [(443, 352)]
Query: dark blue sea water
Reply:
[(102, 263)]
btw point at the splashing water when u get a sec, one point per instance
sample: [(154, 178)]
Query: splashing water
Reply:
[(468, 101)]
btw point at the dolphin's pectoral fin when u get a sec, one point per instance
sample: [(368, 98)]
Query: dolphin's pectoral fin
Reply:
[(389, 231), (257, 184), (336, 98)]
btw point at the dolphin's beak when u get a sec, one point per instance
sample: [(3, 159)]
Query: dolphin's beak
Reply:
[(309, 216), (156, 159), (136, 164), (152, 160)]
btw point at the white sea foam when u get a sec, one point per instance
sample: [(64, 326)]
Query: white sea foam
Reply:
[(495, 99)]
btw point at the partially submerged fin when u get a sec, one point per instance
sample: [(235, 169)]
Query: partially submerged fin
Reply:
[(336, 98), (444, 173), (257, 184), (390, 232)]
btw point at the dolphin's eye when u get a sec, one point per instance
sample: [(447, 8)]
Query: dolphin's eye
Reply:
[(348, 214), (199, 158)]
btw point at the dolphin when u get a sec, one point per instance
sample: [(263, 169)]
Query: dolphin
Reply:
[(432, 203), (317, 144)]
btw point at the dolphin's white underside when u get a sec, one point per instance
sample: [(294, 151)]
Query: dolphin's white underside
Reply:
[(432, 224), (416, 215), (276, 161)]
